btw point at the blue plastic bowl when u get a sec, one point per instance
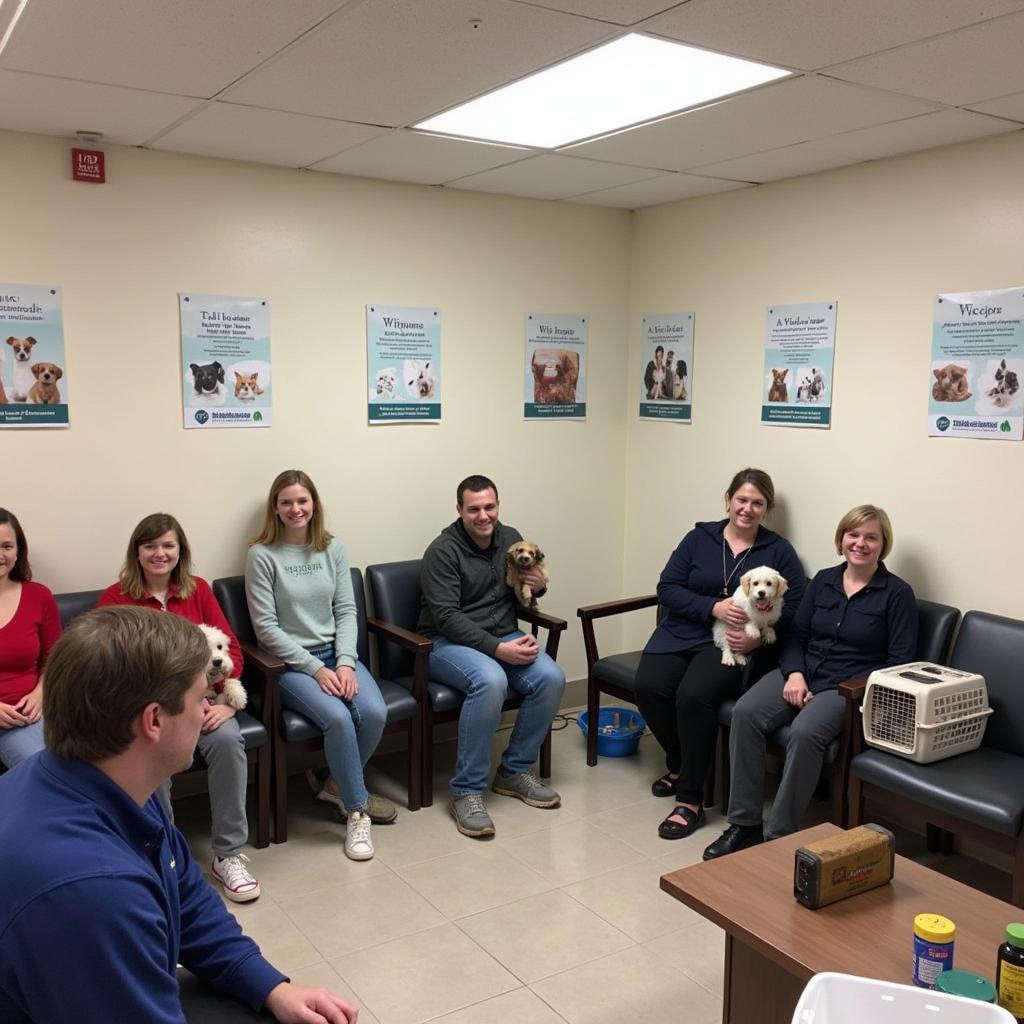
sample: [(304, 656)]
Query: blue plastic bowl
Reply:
[(611, 741)]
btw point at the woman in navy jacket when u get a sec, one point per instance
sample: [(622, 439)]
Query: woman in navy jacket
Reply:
[(681, 680), (855, 617)]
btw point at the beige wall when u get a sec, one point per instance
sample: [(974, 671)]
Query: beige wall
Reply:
[(609, 498), (882, 239), (320, 247)]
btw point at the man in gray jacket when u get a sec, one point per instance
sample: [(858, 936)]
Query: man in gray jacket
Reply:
[(469, 611)]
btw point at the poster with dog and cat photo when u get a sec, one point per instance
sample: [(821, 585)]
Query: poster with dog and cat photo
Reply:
[(977, 365), (33, 382), (666, 358), (555, 379), (799, 350), (225, 361), (403, 364)]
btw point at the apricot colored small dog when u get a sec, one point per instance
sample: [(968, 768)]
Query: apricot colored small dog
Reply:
[(45, 390), (221, 688), (521, 556)]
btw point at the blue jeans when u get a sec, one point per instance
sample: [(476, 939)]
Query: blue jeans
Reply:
[(20, 742), (351, 728), (486, 681)]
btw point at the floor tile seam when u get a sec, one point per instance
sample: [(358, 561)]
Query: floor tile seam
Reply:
[(507, 903), (630, 944), (700, 984), (360, 1000), (560, 1016), (376, 943), (490, 956)]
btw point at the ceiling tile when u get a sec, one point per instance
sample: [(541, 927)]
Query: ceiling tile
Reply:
[(414, 156), (926, 132), (263, 136), (193, 47), (552, 177), (777, 115), (616, 12), (1008, 106), (787, 162), (56, 106), (809, 34), (960, 68), (394, 62), (664, 189)]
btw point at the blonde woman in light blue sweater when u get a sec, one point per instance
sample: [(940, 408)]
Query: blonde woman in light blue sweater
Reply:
[(299, 589)]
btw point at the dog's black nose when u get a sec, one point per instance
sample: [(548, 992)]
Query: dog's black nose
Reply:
[(216, 662)]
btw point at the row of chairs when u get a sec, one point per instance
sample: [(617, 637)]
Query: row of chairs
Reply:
[(979, 795), (415, 703)]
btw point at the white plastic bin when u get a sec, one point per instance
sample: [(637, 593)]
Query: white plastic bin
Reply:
[(845, 999)]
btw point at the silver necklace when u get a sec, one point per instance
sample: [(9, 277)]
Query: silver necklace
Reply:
[(726, 580)]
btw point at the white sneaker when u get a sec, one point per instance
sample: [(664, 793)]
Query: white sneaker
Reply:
[(234, 876), (358, 842)]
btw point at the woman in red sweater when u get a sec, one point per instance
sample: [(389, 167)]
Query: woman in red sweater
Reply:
[(157, 574), (29, 627)]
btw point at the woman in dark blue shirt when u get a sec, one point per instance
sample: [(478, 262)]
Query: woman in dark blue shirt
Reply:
[(855, 617), (681, 679)]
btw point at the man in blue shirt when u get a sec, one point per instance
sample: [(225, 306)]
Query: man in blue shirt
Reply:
[(100, 899)]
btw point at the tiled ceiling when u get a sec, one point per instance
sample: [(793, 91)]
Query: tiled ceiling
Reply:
[(334, 86)]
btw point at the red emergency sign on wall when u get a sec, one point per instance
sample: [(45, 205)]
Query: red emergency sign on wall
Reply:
[(88, 165)]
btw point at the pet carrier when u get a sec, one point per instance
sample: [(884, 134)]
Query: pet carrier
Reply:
[(925, 712)]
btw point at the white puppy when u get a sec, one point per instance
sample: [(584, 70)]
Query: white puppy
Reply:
[(760, 596), (221, 688)]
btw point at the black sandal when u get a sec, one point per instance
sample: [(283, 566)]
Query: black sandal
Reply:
[(665, 786), (673, 830)]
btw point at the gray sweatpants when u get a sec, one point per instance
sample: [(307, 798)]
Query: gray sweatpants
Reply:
[(759, 712), (223, 751)]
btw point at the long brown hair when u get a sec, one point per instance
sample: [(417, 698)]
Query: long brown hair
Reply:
[(21, 571), (272, 531), (131, 577)]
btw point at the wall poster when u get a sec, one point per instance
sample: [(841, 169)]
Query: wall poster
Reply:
[(225, 361), (555, 378), (977, 365), (403, 364), (666, 365), (799, 350), (33, 376)]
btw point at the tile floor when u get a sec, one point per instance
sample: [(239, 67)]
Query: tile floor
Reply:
[(559, 918)]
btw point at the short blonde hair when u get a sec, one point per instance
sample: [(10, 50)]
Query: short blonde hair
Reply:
[(858, 516), (272, 531)]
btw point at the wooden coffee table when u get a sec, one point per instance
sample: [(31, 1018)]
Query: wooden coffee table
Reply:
[(774, 945)]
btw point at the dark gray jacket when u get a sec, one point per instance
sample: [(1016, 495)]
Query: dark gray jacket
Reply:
[(465, 597)]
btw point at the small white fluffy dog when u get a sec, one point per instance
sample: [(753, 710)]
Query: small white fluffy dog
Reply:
[(760, 596), (221, 688)]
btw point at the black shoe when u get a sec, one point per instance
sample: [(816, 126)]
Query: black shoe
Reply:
[(665, 786), (673, 830), (734, 838)]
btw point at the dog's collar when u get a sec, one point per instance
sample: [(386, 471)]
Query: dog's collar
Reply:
[(764, 607)]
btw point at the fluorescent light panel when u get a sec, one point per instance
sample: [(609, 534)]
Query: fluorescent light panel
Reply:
[(14, 21), (629, 81)]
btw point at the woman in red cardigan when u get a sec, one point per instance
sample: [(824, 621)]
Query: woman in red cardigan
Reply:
[(29, 627), (157, 574)]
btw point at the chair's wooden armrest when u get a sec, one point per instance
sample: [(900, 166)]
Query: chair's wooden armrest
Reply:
[(626, 604), (268, 664), (853, 689), (414, 642), (539, 618)]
